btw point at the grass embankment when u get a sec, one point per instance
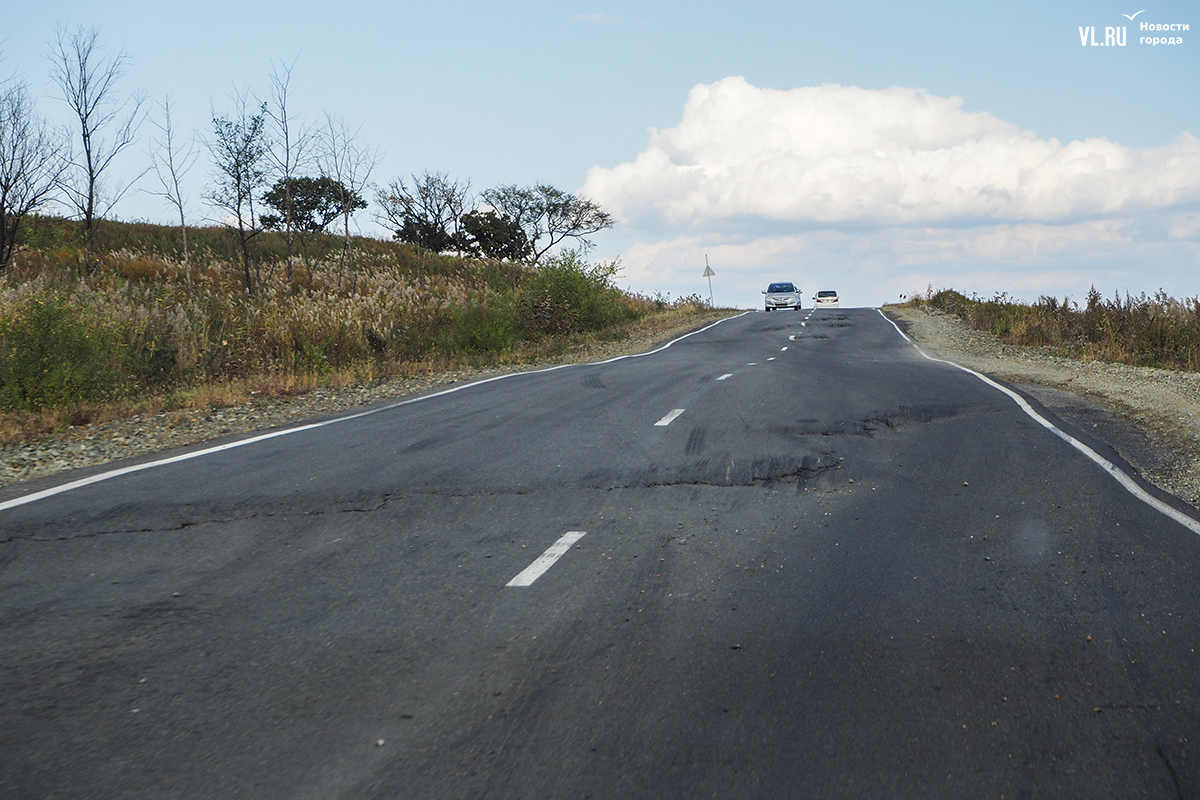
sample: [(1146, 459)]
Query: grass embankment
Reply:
[(145, 332), (1157, 331)]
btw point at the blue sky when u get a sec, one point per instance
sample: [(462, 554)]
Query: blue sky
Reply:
[(567, 93)]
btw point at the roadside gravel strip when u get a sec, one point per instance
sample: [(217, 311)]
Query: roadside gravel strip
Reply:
[(93, 445), (1150, 416)]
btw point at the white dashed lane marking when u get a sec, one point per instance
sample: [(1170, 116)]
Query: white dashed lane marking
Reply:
[(546, 560), (726, 375), (669, 418)]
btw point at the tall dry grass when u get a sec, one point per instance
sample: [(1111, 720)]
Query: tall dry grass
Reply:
[(143, 324), (1153, 331)]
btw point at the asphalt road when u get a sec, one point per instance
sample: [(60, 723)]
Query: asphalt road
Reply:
[(806, 562)]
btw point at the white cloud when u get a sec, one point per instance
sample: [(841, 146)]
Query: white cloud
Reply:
[(880, 192), (869, 267), (839, 155)]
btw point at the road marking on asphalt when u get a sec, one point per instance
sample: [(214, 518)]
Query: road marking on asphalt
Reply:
[(803, 324), (726, 375), (546, 560), (752, 364), (162, 462), (669, 418), (772, 358), (1112, 469), (783, 349), (792, 338)]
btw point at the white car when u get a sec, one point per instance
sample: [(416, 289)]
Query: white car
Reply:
[(782, 295), (826, 298)]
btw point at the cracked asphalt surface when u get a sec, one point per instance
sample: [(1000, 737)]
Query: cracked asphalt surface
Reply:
[(842, 571)]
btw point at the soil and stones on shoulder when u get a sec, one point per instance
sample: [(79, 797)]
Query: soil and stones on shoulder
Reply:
[(1150, 416)]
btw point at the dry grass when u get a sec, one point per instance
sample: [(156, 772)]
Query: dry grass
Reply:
[(190, 337), (1146, 331)]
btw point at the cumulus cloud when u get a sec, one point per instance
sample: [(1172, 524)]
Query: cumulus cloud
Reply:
[(837, 156)]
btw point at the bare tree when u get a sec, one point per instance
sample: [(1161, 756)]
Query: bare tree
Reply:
[(428, 213), (239, 148), (107, 124), (345, 159), (548, 216), (290, 152), (172, 160), (30, 164)]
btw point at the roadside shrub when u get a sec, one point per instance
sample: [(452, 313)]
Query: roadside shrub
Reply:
[(477, 328), (52, 356), (567, 295), (1154, 331)]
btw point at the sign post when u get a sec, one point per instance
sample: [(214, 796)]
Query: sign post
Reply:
[(708, 273)]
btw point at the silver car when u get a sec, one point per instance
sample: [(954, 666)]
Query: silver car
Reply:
[(782, 295)]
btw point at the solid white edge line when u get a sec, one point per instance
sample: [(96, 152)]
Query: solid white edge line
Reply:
[(1112, 469), (546, 560), (669, 418), (116, 473)]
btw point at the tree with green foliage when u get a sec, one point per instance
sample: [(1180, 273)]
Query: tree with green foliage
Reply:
[(308, 206), (239, 148), (311, 203), (491, 235)]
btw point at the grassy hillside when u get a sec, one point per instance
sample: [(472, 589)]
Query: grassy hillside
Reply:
[(146, 323)]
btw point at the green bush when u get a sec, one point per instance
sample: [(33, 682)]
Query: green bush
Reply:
[(484, 328), (53, 356), (567, 295)]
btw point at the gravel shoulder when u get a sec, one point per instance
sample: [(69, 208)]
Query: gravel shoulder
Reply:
[(141, 435), (1150, 416)]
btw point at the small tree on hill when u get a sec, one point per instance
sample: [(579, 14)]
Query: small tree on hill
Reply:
[(171, 161), (106, 125), (30, 164), (548, 216), (493, 236), (428, 213), (308, 206), (289, 153), (345, 159), (239, 148)]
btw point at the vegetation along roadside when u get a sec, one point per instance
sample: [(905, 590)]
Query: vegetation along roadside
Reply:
[(140, 334)]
